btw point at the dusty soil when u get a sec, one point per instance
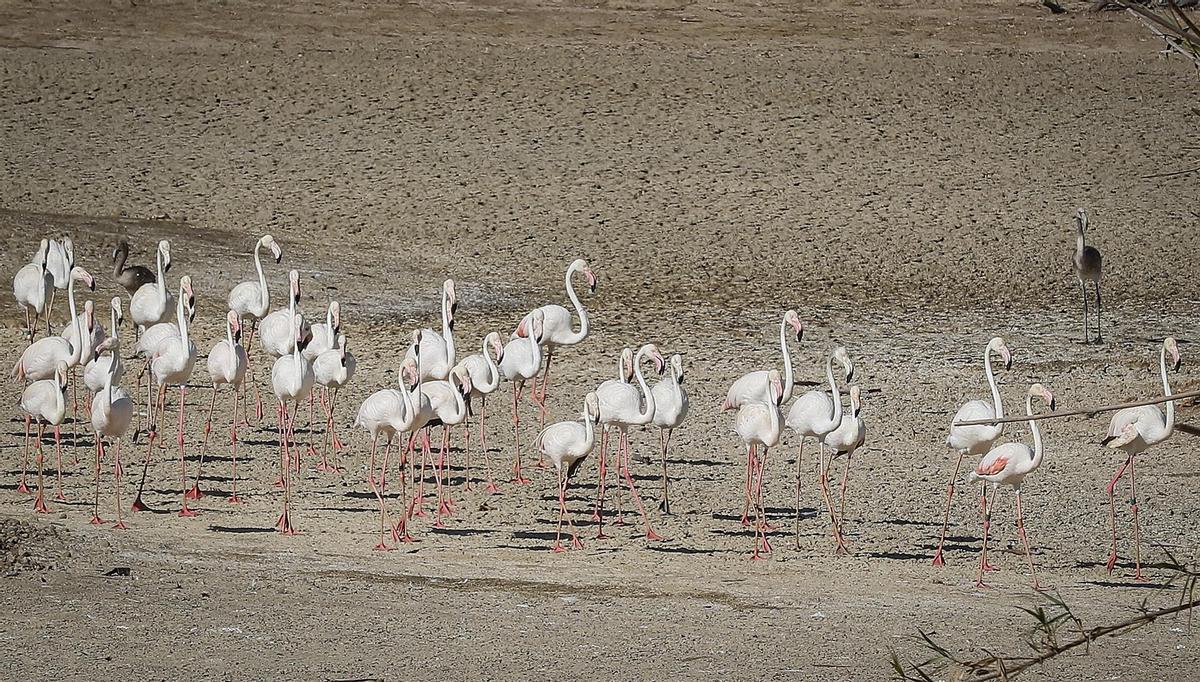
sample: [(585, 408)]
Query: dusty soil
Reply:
[(903, 174)]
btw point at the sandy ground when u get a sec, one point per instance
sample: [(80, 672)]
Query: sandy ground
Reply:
[(903, 174)]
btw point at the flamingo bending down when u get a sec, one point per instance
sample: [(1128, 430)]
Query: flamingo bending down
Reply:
[(760, 424), (623, 406), (32, 287), (846, 439), (437, 350), (814, 415), (133, 277), (226, 365), (170, 363), (1089, 267), (292, 381), (45, 401), (558, 330), (389, 412), (95, 374), (1009, 464), (670, 409), (974, 440), (568, 444), (521, 360), (151, 303), (332, 369), (485, 379), (1134, 430), (112, 410), (754, 386)]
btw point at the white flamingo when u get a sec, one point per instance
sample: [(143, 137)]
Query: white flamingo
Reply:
[(171, 364), (1009, 464), (522, 358), (485, 380), (46, 401), (389, 412), (332, 369), (152, 303), (437, 350), (32, 287), (447, 400), (95, 374), (325, 334), (226, 366), (622, 406), (292, 380), (252, 301), (567, 444), (112, 411), (846, 439), (974, 440), (60, 260), (558, 329), (277, 331), (754, 386), (324, 337), (1134, 430), (41, 358), (813, 415), (670, 409), (760, 424)]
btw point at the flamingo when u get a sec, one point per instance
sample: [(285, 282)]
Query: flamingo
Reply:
[(32, 287), (41, 359), (292, 380), (485, 379), (252, 301), (1009, 464), (437, 350), (226, 365), (558, 330), (332, 369), (1089, 267), (151, 303), (624, 376), (132, 277), (45, 401), (153, 336), (846, 439), (171, 363), (1134, 430), (325, 334), (95, 373), (447, 402), (974, 440), (276, 331), (760, 424), (388, 412), (60, 261), (521, 361), (112, 410), (623, 406), (813, 415), (670, 409), (753, 387), (567, 444)]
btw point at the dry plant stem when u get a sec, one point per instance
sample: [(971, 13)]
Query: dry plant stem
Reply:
[(1090, 411)]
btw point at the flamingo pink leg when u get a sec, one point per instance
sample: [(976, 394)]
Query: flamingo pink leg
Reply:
[(194, 492), (183, 508), (233, 441), (1025, 539), (117, 474), (285, 524), (938, 559), (1137, 531), (984, 566), (99, 453), (602, 465), (623, 459), (516, 417), (58, 495), (487, 456), (39, 501), (381, 545), (21, 487)]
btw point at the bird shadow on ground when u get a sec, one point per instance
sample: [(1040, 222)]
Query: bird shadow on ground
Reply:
[(530, 548), (547, 536), (908, 522), (1129, 583), (697, 462), (688, 550), (464, 532), (348, 510), (898, 556), (240, 529)]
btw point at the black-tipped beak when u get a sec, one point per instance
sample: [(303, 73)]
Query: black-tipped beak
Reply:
[(1053, 405), (850, 376), (592, 288), (92, 284), (451, 324), (167, 267), (1008, 363), (279, 259), (800, 335)]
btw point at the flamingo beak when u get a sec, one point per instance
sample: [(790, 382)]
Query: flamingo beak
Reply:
[(659, 363), (91, 282), (277, 252), (591, 280)]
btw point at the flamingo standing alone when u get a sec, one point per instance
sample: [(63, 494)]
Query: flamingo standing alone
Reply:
[(814, 415), (670, 409), (437, 350), (846, 439), (760, 424), (226, 364), (521, 361), (291, 380), (974, 440), (131, 277), (332, 369), (1134, 430), (112, 410), (1089, 267), (32, 287), (45, 401), (485, 379), (567, 444), (1009, 464)]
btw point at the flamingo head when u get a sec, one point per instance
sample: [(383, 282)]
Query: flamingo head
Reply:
[(522, 331), (60, 374), (1171, 347), (164, 250), (591, 408), (855, 400), (118, 313), (269, 242), (677, 367), (416, 341), (451, 297), (341, 342), (121, 247), (626, 364), (537, 320), (775, 386), (111, 343), (842, 356), (408, 373), (589, 276), (997, 344), (294, 285), (335, 316), (1081, 219), (43, 254), (69, 250), (464, 379), (493, 340), (660, 365), (1040, 391), (303, 332), (81, 275), (89, 316), (234, 321), (793, 320)]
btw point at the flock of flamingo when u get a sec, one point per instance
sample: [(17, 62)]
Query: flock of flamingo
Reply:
[(439, 388)]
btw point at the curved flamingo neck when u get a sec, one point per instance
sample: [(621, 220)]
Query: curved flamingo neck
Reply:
[(229, 333), (647, 412), (589, 429), (788, 378), (493, 371), (835, 420), (162, 282), (264, 293), (181, 318), (77, 347), (119, 263), (535, 351), (576, 337), (406, 398), (1037, 435), (987, 369), (1169, 426), (447, 330)]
